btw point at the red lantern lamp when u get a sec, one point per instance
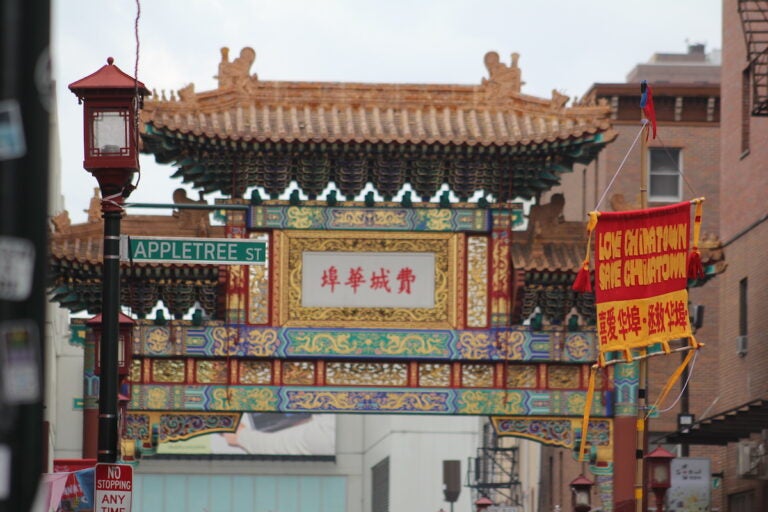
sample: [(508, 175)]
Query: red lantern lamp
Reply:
[(112, 100), (581, 493), (124, 345), (659, 474)]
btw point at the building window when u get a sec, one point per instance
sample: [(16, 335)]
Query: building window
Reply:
[(746, 108), (665, 174), (380, 486), (743, 307)]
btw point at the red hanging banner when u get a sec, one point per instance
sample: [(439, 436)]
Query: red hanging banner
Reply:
[(641, 275)]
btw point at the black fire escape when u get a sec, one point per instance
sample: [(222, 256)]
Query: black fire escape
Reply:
[(494, 473), (754, 20)]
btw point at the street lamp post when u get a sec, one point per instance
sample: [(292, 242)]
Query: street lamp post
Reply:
[(660, 478), (111, 101)]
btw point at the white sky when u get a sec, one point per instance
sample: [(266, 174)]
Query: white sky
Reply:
[(563, 44)]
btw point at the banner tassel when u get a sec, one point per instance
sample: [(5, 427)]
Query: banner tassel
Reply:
[(583, 283), (695, 268)]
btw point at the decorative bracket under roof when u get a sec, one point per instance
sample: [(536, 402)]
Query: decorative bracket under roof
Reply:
[(754, 20)]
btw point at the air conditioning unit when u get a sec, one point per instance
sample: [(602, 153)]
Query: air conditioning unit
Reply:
[(751, 460), (741, 345)]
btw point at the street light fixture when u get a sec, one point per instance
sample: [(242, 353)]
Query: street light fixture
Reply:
[(581, 494), (111, 100), (660, 478), (124, 343)]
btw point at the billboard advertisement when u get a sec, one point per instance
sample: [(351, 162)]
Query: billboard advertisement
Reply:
[(266, 434)]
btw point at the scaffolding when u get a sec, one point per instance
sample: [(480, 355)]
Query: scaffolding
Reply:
[(494, 473), (754, 20)]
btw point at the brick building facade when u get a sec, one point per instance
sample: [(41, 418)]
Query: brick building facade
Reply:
[(743, 347)]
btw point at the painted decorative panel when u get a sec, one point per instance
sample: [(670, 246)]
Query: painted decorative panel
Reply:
[(258, 288), (555, 431), (369, 342), (475, 402), (512, 344), (477, 281), (375, 219)]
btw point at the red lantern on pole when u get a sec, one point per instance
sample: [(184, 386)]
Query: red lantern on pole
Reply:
[(581, 493), (659, 473), (124, 342), (112, 100)]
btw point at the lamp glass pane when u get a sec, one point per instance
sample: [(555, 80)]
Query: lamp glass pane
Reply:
[(581, 497), (660, 473), (121, 351), (109, 132)]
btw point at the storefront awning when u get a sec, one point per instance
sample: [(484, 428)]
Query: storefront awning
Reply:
[(726, 427)]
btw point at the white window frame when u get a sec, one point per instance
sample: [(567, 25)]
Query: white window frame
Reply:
[(678, 173)]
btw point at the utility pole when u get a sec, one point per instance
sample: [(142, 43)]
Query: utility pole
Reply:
[(25, 97)]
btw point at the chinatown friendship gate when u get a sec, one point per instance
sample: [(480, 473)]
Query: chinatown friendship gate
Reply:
[(369, 306)]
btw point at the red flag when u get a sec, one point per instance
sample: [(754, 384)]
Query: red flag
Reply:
[(646, 103)]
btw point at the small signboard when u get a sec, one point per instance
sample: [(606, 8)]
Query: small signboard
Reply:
[(691, 485), (214, 251), (114, 488)]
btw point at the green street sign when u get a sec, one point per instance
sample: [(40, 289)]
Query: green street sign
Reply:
[(214, 251)]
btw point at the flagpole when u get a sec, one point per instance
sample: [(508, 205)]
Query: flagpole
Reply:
[(642, 391)]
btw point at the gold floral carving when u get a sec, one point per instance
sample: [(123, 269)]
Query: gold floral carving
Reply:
[(436, 375), (168, 370), (477, 375), (255, 372), (258, 289), (500, 272), (563, 377), (294, 243), (477, 282), (521, 376), (134, 374), (211, 372), (366, 374), (298, 373)]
